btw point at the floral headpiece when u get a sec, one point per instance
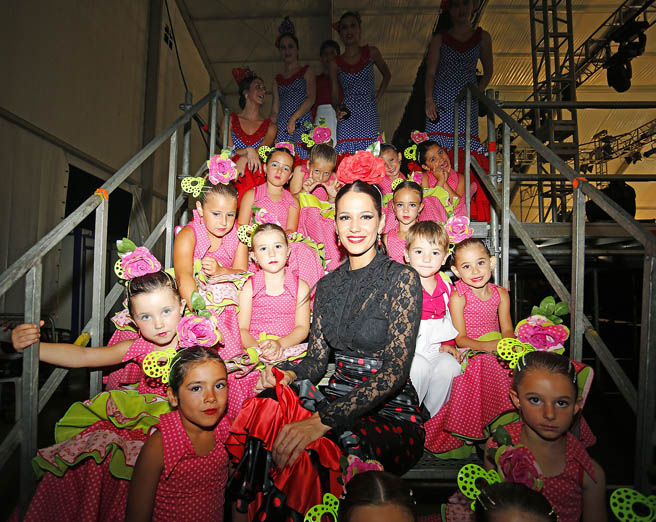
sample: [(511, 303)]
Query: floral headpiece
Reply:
[(544, 330), (221, 170), (240, 74), (374, 147), (330, 506), (265, 150), (344, 13), (286, 27), (134, 261), (363, 166), (418, 137), (316, 134), (261, 216), (415, 178)]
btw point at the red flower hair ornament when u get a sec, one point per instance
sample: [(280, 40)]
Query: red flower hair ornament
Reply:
[(240, 74), (362, 165)]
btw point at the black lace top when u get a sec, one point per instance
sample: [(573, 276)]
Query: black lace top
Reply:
[(371, 312)]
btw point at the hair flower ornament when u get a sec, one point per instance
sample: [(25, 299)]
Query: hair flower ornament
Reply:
[(458, 228), (316, 134), (134, 261), (157, 364), (199, 329), (418, 137), (472, 478), (221, 168), (363, 166), (285, 27), (543, 329), (516, 463), (330, 507), (410, 153), (241, 73), (260, 217), (629, 505)]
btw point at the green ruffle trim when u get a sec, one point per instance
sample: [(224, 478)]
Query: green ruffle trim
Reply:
[(124, 409)]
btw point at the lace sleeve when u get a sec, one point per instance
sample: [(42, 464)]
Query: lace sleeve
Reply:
[(405, 298)]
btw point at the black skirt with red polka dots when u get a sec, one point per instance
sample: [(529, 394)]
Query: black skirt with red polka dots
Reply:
[(392, 433)]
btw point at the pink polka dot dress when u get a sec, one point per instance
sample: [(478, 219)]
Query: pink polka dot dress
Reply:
[(396, 246), (434, 209), (321, 229), (565, 490), (225, 254), (191, 488), (481, 394), (303, 260), (272, 315)]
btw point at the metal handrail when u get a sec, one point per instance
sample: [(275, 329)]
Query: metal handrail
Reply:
[(641, 400), (30, 263)]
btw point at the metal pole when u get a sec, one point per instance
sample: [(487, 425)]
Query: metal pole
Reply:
[(578, 275), (646, 405), (30, 389), (213, 123), (98, 299), (456, 108), (170, 197), (226, 126), (505, 212), (468, 103), (494, 217)]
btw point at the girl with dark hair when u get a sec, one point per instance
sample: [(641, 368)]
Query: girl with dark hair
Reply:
[(377, 495), (407, 204), (182, 468), (511, 501), (367, 312), (294, 92), (545, 392), (353, 71), (249, 130), (86, 473)]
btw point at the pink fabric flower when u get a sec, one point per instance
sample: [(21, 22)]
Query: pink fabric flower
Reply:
[(197, 331), (222, 170), (517, 464), (285, 145), (122, 320), (542, 334), (417, 177), (139, 263), (418, 137), (458, 228), (356, 466), (262, 216), (321, 134), (364, 166)]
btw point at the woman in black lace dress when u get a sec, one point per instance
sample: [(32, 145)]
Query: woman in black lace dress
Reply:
[(368, 312)]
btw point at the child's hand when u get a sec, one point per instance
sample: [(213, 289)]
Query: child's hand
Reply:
[(211, 266), (332, 187), (270, 349), (25, 335), (449, 348), (309, 185)]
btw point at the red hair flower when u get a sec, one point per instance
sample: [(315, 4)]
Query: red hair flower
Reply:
[(363, 166)]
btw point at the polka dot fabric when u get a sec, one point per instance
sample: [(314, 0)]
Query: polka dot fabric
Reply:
[(191, 488), (357, 81), (292, 92), (456, 68), (225, 254), (396, 247), (481, 317)]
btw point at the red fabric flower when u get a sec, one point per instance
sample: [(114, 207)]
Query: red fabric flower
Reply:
[(363, 166), (517, 464)]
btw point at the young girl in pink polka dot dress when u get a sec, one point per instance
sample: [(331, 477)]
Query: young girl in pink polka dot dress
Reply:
[(478, 396), (316, 186), (407, 204), (274, 305), (279, 204), (182, 470), (545, 392), (211, 240), (86, 473)]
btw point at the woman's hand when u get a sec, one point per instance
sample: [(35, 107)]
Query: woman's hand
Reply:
[(25, 335), (253, 159), (295, 437), (268, 379), (291, 125), (431, 109)]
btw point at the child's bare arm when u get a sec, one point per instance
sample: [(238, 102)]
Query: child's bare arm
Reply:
[(143, 486), (244, 316), (302, 317), (183, 262), (594, 496), (68, 355), (505, 322), (292, 219)]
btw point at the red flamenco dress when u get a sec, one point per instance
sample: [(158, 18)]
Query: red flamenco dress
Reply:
[(242, 140)]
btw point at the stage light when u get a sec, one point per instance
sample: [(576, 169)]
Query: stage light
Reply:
[(618, 73)]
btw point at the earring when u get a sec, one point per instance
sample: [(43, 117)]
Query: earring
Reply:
[(339, 242), (378, 240)]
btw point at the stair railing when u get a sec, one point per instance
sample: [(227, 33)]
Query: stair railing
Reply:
[(33, 399), (642, 400)]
